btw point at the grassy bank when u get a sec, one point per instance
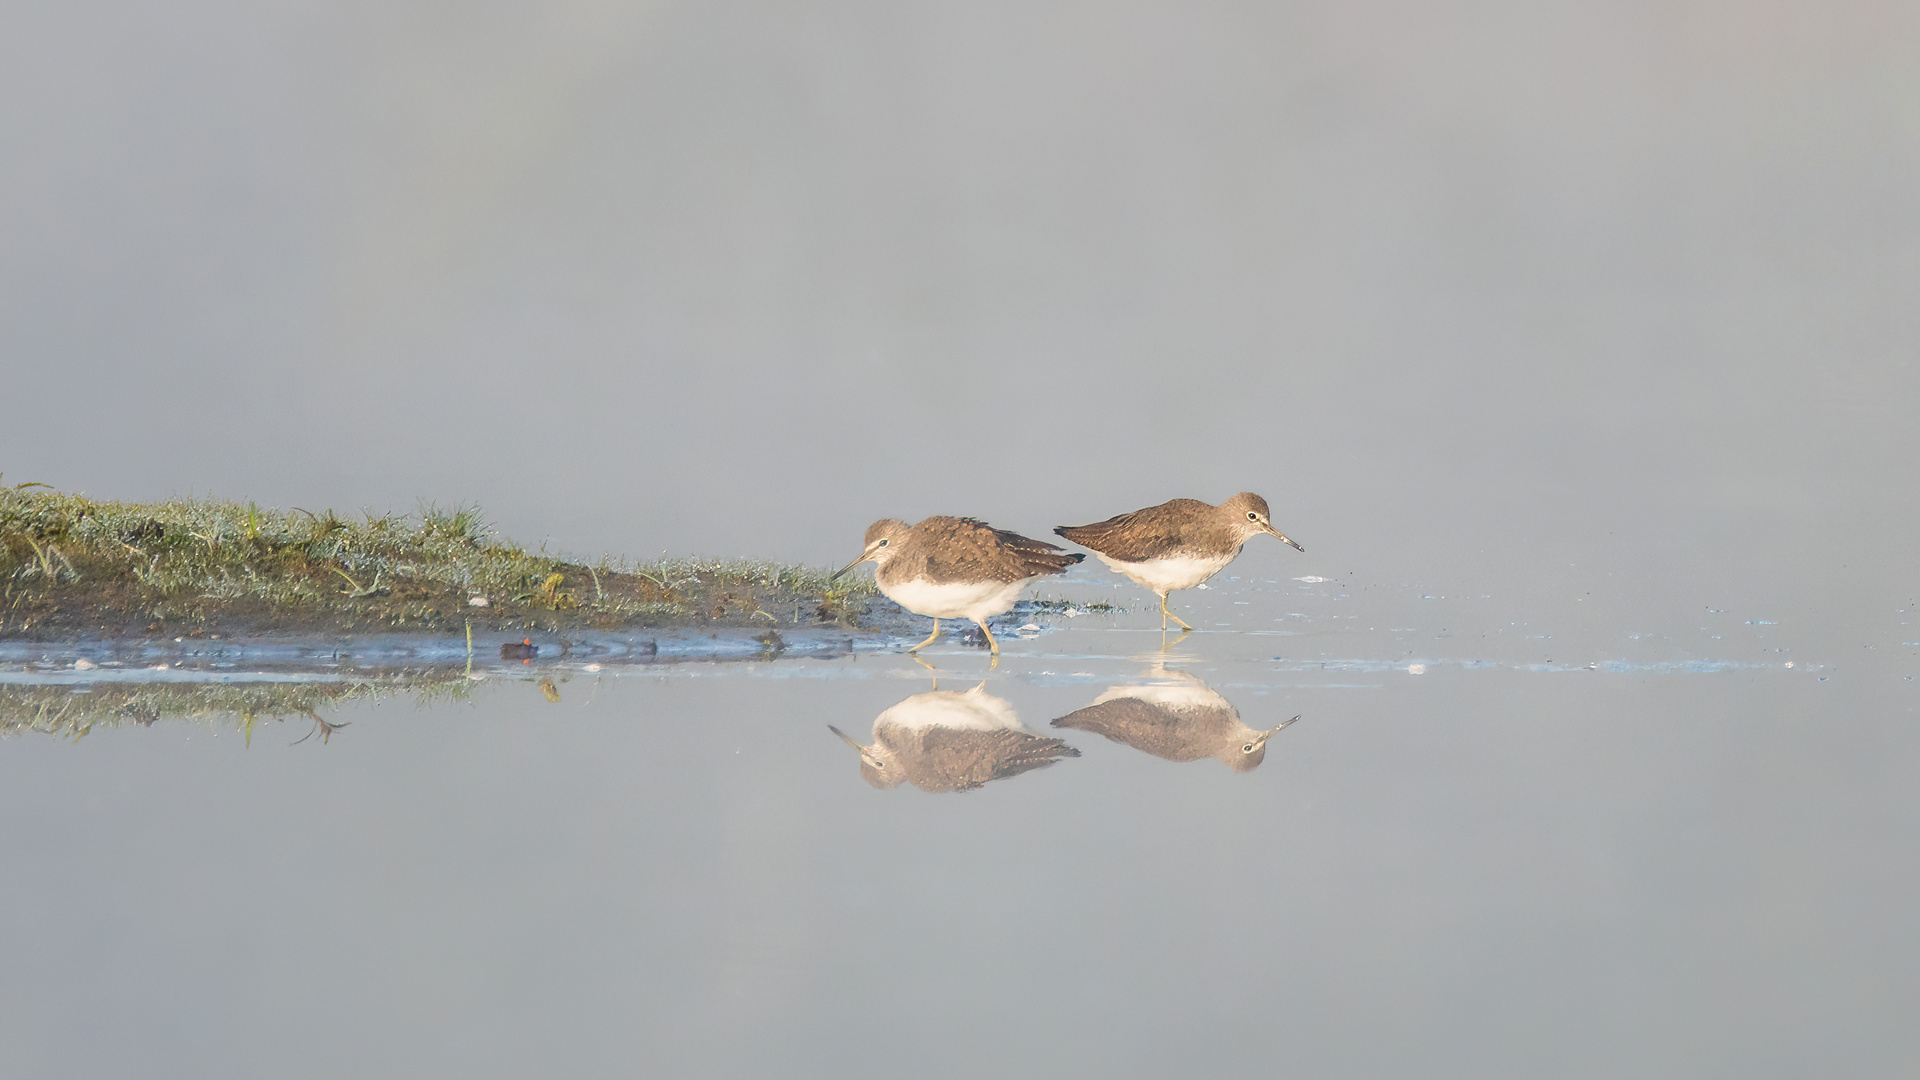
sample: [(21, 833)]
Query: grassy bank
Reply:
[(58, 711), (73, 565)]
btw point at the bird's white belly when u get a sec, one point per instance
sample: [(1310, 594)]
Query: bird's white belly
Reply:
[(1171, 694), (1172, 572), (954, 600), (971, 710)]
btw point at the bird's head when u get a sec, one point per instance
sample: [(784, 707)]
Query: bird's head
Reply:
[(1248, 514), (876, 765), (1252, 750), (883, 539)]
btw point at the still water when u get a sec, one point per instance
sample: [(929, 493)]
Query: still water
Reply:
[(1677, 844)]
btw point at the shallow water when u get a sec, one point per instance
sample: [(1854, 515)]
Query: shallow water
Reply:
[(1572, 847)]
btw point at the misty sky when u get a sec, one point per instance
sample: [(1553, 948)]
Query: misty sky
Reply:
[(1453, 285)]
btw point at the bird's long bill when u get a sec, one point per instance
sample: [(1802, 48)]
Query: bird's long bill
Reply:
[(1284, 538), (848, 739), (868, 554), (1264, 736)]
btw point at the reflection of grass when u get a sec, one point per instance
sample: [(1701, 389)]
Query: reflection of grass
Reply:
[(71, 564), (58, 710)]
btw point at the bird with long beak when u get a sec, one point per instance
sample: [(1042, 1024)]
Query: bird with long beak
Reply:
[(948, 741), (955, 568), (1177, 717), (1178, 544)]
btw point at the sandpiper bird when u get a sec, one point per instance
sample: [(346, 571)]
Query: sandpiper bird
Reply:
[(948, 741), (955, 568), (1178, 544), (1177, 717)]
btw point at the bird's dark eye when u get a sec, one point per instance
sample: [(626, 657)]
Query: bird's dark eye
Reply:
[(1251, 516), (882, 543), (1247, 749)]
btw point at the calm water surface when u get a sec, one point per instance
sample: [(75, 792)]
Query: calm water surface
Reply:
[(1576, 848)]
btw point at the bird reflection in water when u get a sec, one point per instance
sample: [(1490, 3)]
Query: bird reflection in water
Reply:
[(1177, 717), (944, 740)]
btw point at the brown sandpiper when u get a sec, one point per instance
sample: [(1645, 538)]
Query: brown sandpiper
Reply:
[(948, 741), (1176, 717), (955, 568), (1178, 544)]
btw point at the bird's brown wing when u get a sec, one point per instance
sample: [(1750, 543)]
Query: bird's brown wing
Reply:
[(1152, 728), (972, 550), (1152, 533), (961, 759), (1184, 733)]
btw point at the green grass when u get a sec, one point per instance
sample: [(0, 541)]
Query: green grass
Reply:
[(73, 564), (59, 711)]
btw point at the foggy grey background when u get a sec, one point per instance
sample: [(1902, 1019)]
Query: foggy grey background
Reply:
[(1471, 291)]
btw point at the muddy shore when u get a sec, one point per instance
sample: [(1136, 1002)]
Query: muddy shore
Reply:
[(569, 598)]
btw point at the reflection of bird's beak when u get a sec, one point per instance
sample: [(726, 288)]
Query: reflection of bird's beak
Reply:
[(1264, 736), (844, 737), (868, 554), (1285, 540)]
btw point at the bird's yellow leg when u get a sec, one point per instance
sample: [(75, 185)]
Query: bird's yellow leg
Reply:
[(1165, 615), (930, 637), (991, 644)]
